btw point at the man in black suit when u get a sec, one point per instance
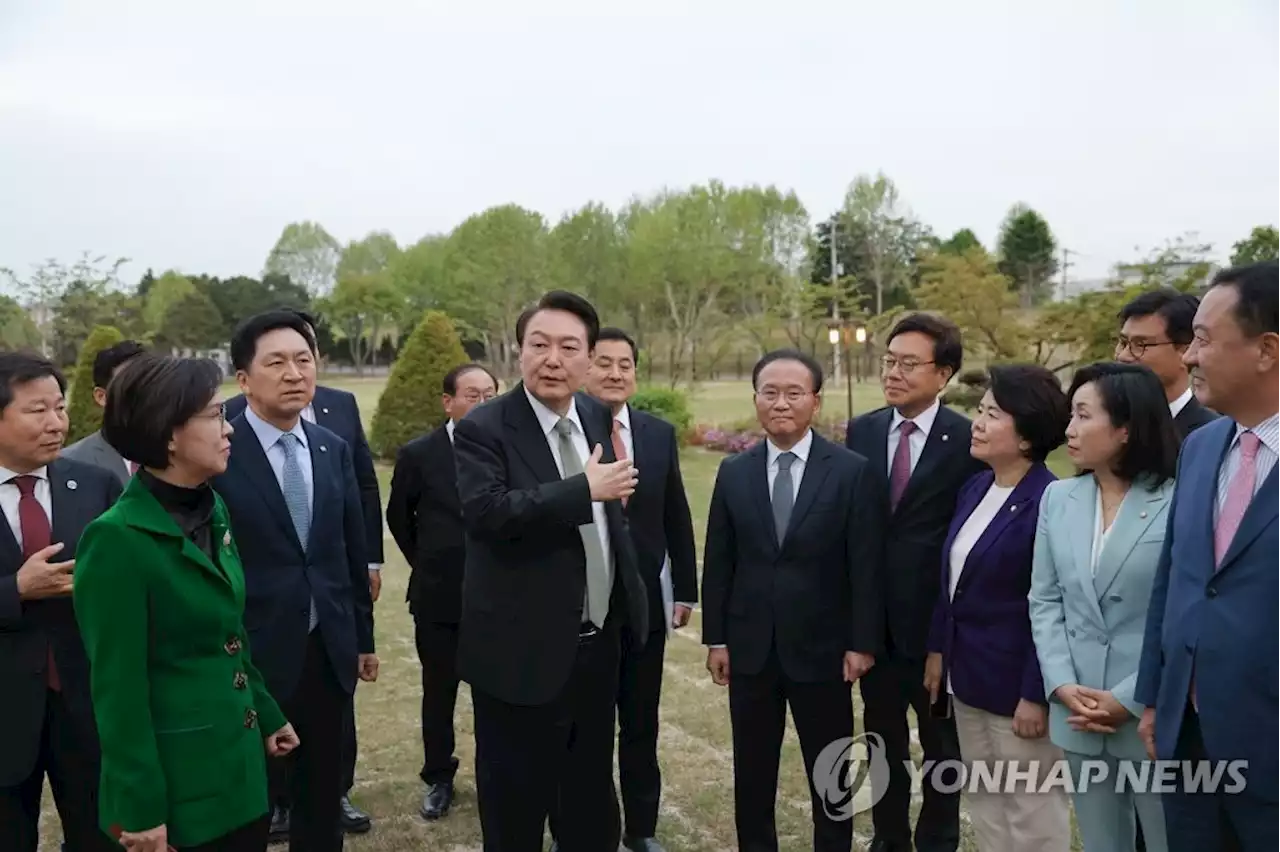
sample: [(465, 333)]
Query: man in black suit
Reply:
[(919, 450), (296, 513), (46, 716), (425, 518), (94, 449), (551, 580), (339, 412), (1155, 331), (791, 590), (661, 528)]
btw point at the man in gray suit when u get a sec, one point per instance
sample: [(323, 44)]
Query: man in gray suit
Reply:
[(93, 449)]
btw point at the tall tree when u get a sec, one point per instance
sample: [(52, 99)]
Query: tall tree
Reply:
[(44, 288), (960, 242), (886, 233), (367, 256), (192, 322), (362, 308), (418, 273), (971, 291), (1263, 243), (308, 254), (169, 289), (17, 331), (1028, 254)]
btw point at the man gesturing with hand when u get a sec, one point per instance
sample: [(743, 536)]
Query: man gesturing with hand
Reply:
[(551, 581)]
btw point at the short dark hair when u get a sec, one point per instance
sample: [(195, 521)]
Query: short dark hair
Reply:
[(1178, 310), (610, 332), (815, 369), (1256, 288), (308, 318), (948, 345), (148, 401), (106, 361), (18, 368), (1033, 397), (450, 383), (244, 340), (562, 300), (1135, 400)]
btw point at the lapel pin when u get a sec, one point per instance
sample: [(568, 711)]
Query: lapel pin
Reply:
[(1013, 508), (226, 539), (323, 448), (945, 437), (1142, 514), (71, 484), (324, 411)]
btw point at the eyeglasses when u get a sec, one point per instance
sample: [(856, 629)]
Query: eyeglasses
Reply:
[(220, 414), (907, 365), (473, 398), (1137, 347), (772, 394)]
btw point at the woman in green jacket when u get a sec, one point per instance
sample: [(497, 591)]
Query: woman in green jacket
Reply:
[(184, 719)]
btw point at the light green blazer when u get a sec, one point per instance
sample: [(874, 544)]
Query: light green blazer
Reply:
[(181, 711)]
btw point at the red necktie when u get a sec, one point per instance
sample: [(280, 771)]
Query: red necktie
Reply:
[(619, 448), (900, 472), (36, 536)]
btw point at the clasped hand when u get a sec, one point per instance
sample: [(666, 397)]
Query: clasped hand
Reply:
[(1094, 710), (611, 480)]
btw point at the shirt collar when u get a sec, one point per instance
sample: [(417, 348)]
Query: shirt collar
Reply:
[(448, 427), (800, 450), (923, 420), (624, 417), (1175, 407), (548, 419), (39, 473), (268, 435), (1268, 432)]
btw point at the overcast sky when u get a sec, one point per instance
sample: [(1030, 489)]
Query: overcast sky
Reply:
[(188, 137)]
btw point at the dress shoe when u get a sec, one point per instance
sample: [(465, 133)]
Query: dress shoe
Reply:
[(353, 820), (642, 844), (279, 832), (436, 802), (889, 846)]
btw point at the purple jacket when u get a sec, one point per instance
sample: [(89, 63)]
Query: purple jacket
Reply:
[(984, 634)]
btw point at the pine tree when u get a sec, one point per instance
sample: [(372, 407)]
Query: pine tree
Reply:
[(83, 414), (410, 404)]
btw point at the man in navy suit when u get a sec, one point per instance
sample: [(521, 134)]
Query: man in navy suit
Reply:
[(338, 411), (296, 514), (1208, 672)]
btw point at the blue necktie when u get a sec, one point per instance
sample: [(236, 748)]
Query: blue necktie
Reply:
[(294, 487)]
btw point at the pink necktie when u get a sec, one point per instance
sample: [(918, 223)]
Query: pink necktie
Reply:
[(1239, 494), (900, 472), (619, 448)]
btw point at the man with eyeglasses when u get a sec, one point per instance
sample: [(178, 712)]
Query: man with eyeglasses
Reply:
[(1155, 332), (920, 450), (425, 518)]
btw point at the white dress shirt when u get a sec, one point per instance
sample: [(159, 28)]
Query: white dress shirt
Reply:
[(10, 495), (448, 428), (1100, 535), (976, 524), (924, 424), (1175, 407), (548, 420)]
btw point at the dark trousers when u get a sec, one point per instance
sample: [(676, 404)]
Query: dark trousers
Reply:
[(894, 684), (639, 694), (72, 768), (437, 652), (311, 777), (349, 748), (1220, 821), (246, 838), (823, 713), (532, 761)]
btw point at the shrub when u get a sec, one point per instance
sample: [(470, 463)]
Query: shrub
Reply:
[(410, 404), (83, 414), (744, 435), (672, 405), (969, 392)]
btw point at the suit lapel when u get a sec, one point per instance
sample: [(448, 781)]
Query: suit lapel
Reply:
[(1261, 513), (1083, 510), (1017, 504), (935, 450), (758, 473), (62, 503), (256, 467), (323, 481), (878, 452), (1137, 512), (142, 510), (815, 474), (527, 437)]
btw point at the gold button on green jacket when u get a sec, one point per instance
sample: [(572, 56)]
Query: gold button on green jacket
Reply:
[(181, 711)]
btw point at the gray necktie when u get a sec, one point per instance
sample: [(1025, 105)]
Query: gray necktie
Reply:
[(294, 487), (599, 583), (784, 494)]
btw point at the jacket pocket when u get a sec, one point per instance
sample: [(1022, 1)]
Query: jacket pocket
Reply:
[(192, 759)]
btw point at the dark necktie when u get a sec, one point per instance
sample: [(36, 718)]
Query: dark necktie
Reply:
[(784, 495), (900, 472), (36, 536)]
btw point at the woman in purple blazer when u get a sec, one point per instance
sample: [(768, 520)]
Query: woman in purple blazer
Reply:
[(982, 664)]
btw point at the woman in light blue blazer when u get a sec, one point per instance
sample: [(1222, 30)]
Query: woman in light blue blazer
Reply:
[(1098, 540)]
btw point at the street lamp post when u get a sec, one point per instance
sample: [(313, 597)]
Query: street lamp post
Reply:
[(860, 335)]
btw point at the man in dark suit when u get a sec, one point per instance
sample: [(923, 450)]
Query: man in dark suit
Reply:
[(339, 412), (1155, 331), (93, 449), (425, 518), (551, 580), (791, 590), (295, 511), (662, 531), (1208, 671), (46, 716), (919, 450)]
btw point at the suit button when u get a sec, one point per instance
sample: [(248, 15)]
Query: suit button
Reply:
[(1212, 592), (1102, 640), (1116, 598), (232, 646), (241, 680), (251, 718)]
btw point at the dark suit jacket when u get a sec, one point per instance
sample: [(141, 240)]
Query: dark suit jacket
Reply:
[(338, 411), (1224, 621), (918, 527), (281, 578), (1192, 416), (984, 634), (658, 514), (525, 576), (818, 594), (94, 449), (425, 518), (79, 493)]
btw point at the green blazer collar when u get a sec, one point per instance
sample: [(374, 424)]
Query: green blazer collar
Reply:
[(140, 509)]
